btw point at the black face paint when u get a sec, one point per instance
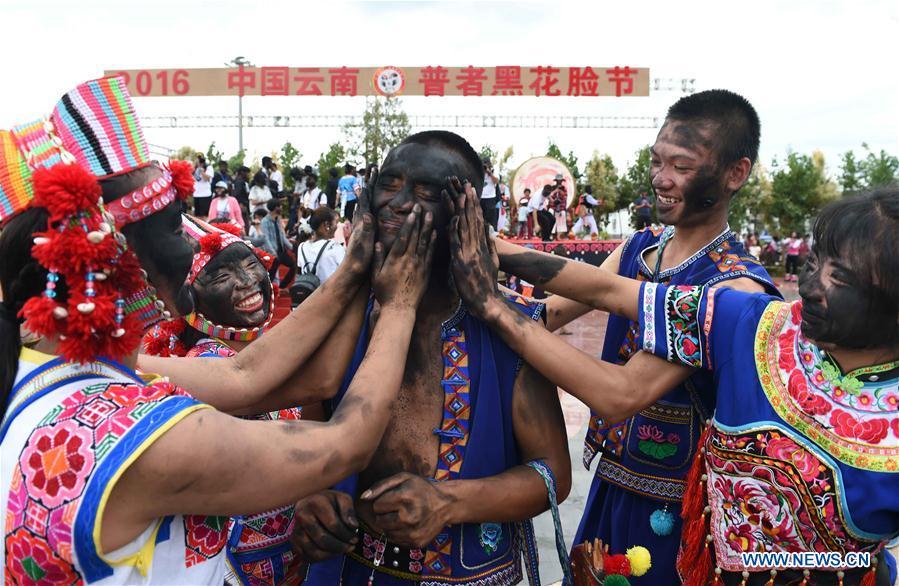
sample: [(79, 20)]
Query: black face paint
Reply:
[(704, 191), (690, 136), (415, 173), (838, 309), (233, 276), (533, 267)]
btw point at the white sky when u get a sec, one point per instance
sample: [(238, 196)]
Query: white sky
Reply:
[(821, 73)]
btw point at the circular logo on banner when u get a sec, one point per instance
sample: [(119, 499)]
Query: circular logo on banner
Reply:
[(389, 81)]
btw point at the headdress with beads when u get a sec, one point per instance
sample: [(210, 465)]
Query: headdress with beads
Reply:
[(92, 134)]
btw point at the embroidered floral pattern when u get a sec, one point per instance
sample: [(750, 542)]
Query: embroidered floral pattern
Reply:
[(769, 493), (653, 442), (204, 538), (853, 421), (53, 471), (681, 307)]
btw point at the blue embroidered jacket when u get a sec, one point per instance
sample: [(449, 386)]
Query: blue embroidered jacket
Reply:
[(650, 453), (476, 441)]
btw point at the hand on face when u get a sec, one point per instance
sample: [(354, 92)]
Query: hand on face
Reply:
[(325, 527), (409, 509), (475, 262), (362, 241), (401, 278)]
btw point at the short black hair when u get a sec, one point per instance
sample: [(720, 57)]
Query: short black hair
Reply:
[(320, 216), (243, 169), (273, 205), (223, 162), (260, 213), (527, 189), (348, 168), (266, 161), (455, 143), (333, 172), (846, 228), (738, 129)]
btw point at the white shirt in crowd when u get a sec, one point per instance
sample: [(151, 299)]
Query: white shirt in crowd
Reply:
[(259, 196), (536, 202), (278, 178), (330, 260), (314, 198), (489, 189), (203, 183)]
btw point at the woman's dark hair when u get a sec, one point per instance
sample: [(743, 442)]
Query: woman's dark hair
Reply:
[(321, 216), (861, 232), (21, 278)]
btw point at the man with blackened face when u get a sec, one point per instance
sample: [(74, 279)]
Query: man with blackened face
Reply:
[(446, 476), (701, 157)]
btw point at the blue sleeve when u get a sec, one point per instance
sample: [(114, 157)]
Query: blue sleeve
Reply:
[(694, 326)]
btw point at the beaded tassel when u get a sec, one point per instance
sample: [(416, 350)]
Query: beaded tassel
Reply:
[(805, 576), (770, 581)]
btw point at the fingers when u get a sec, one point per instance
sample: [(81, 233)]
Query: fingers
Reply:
[(460, 196), (455, 241), (424, 237), (377, 262), (410, 226), (383, 486), (364, 205), (348, 516), (448, 202)]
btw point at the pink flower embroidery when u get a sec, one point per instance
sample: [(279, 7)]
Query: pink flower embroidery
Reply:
[(787, 450), (870, 431), (56, 462), (650, 432), (740, 538), (29, 560)]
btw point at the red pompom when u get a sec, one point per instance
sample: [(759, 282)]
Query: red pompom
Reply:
[(113, 347), (264, 257), (616, 564), (65, 190), (211, 243), (182, 178), (127, 275), (230, 227), (158, 341), (38, 315)]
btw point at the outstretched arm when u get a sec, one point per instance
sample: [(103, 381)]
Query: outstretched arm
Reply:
[(561, 311), (290, 365), (252, 466)]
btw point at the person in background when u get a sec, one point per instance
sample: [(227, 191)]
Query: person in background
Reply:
[(255, 232), (271, 171), (525, 221), (502, 208), (222, 174), (331, 188), (489, 194), (558, 202), (314, 197), (225, 206), (202, 186), (539, 215), (321, 251), (643, 208), (804, 249), (240, 190), (791, 247), (584, 213), (260, 194), (277, 244), (346, 187)]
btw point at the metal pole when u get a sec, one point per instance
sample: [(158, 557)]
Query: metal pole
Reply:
[(240, 123)]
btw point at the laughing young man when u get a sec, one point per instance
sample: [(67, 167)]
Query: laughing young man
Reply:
[(701, 157)]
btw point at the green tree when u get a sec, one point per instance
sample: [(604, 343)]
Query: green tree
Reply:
[(601, 174), (502, 164), (879, 169), (213, 155), (570, 161), (335, 156), (237, 161), (288, 158), (850, 174), (635, 181), (384, 125), (185, 153), (748, 202), (798, 191)]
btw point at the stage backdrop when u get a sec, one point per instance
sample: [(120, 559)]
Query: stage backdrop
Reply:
[(432, 80), (537, 172)]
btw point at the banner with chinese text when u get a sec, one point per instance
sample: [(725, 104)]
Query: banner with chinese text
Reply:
[(512, 80)]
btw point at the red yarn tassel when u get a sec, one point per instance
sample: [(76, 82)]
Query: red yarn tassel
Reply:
[(698, 574), (870, 577), (182, 178), (695, 523)]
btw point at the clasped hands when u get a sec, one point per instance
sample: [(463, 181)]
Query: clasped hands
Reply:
[(409, 510)]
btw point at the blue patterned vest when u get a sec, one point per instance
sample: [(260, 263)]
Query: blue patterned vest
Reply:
[(476, 441), (650, 453)]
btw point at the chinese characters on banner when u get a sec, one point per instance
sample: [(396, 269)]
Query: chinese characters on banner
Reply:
[(433, 80)]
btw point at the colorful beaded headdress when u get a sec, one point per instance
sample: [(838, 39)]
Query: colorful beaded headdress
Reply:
[(163, 340), (92, 134)]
